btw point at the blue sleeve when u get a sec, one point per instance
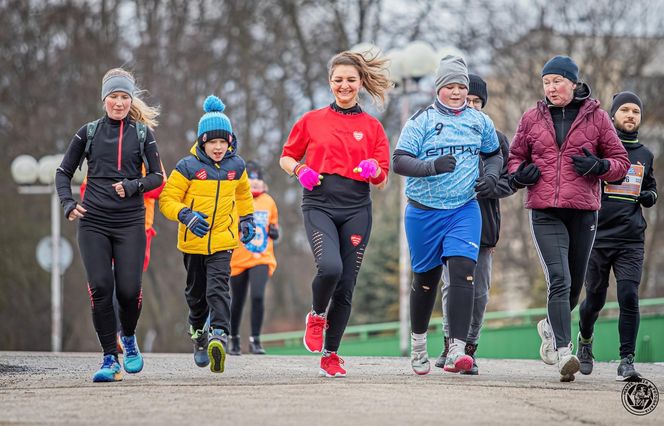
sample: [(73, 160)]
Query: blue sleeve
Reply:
[(490, 142), (411, 137)]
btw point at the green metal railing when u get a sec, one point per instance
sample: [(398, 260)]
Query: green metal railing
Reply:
[(505, 334)]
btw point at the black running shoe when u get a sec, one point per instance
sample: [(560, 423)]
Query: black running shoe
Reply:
[(255, 346), (234, 346), (584, 351), (440, 362), (470, 350), (626, 370)]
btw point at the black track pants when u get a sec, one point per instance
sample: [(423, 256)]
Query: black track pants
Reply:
[(627, 264), (207, 290), (563, 239), (256, 278), (113, 260)]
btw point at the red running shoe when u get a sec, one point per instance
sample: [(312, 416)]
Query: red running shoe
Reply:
[(331, 366), (313, 333)]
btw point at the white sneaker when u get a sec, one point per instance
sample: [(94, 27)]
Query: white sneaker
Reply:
[(547, 351), (419, 357), (568, 364), (457, 360)]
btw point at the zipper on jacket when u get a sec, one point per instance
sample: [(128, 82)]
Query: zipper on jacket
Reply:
[(120, 145), (214, 212), (230, 216), (185, 227)]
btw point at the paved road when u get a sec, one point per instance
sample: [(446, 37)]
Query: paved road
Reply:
[(269, 390)]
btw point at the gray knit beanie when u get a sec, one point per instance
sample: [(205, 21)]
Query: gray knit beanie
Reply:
[(451, 69)]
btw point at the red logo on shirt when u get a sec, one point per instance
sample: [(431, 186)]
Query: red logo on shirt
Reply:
[(231, 175), (358, 135), (201, 174), (355, 239)]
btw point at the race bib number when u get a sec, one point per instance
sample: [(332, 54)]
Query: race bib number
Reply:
[(631, 185)]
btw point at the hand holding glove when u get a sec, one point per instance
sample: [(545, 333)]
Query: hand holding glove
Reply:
[(247, 228), (444, 164), (647, 198), (307, 177), (194, 221), (368, 169), (590, 164), (485, 186), (525, 175)]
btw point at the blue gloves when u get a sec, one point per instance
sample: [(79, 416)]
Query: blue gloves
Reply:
[(194, 221), (247, 228)]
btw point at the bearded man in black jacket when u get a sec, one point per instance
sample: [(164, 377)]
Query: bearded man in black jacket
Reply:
[(620, 240)]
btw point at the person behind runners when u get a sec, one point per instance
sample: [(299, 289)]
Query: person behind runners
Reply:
[(489, 202), (253, 263), (620, 241)]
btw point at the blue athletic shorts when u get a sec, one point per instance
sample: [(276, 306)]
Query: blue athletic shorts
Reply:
[(435, 235)]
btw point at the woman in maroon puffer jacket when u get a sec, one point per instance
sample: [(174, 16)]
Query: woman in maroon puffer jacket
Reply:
[(563, 148)]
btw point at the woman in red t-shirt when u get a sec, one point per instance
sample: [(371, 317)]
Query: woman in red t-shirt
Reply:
[(346, 149)]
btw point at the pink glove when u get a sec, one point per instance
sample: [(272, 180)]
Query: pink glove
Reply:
[(307, 176), (368, 168)]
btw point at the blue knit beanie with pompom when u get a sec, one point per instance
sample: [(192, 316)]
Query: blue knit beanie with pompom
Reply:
[(214, 123)]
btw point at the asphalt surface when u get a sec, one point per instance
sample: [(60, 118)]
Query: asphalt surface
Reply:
[(40, 387)]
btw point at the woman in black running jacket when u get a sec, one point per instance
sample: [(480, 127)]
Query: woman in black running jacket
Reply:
[(111, 235)]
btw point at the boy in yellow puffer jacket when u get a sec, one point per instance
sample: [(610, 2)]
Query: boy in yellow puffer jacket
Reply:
[(209, 194)]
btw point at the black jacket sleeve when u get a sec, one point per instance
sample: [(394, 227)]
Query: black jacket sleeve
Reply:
[(649, 183), (404, 163), (65, 172), (503, 188), (154, 176)]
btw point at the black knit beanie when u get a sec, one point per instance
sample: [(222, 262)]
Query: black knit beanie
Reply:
[(623, 98), (477, 87), (562, 65)]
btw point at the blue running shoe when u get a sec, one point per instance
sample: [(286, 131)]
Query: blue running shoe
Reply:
[(200, 338), (110, 370), (217, 350), (132, 359)]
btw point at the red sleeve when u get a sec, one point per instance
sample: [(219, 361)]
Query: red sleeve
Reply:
[(154, 194), (298, 140), (381, 154)]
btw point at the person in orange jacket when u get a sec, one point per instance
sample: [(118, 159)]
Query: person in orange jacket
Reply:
[(253, 263)]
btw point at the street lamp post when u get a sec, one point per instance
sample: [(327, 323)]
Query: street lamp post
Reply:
[(27, 173)]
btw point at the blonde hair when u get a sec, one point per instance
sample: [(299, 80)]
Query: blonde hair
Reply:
[(372, 70), (139, 110)]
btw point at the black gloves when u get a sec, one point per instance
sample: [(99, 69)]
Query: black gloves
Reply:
[(444, 164), (590, 164), (485, 186), (525, 175), (131, 187), (647, 198), (194, 221), (273, 231)]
